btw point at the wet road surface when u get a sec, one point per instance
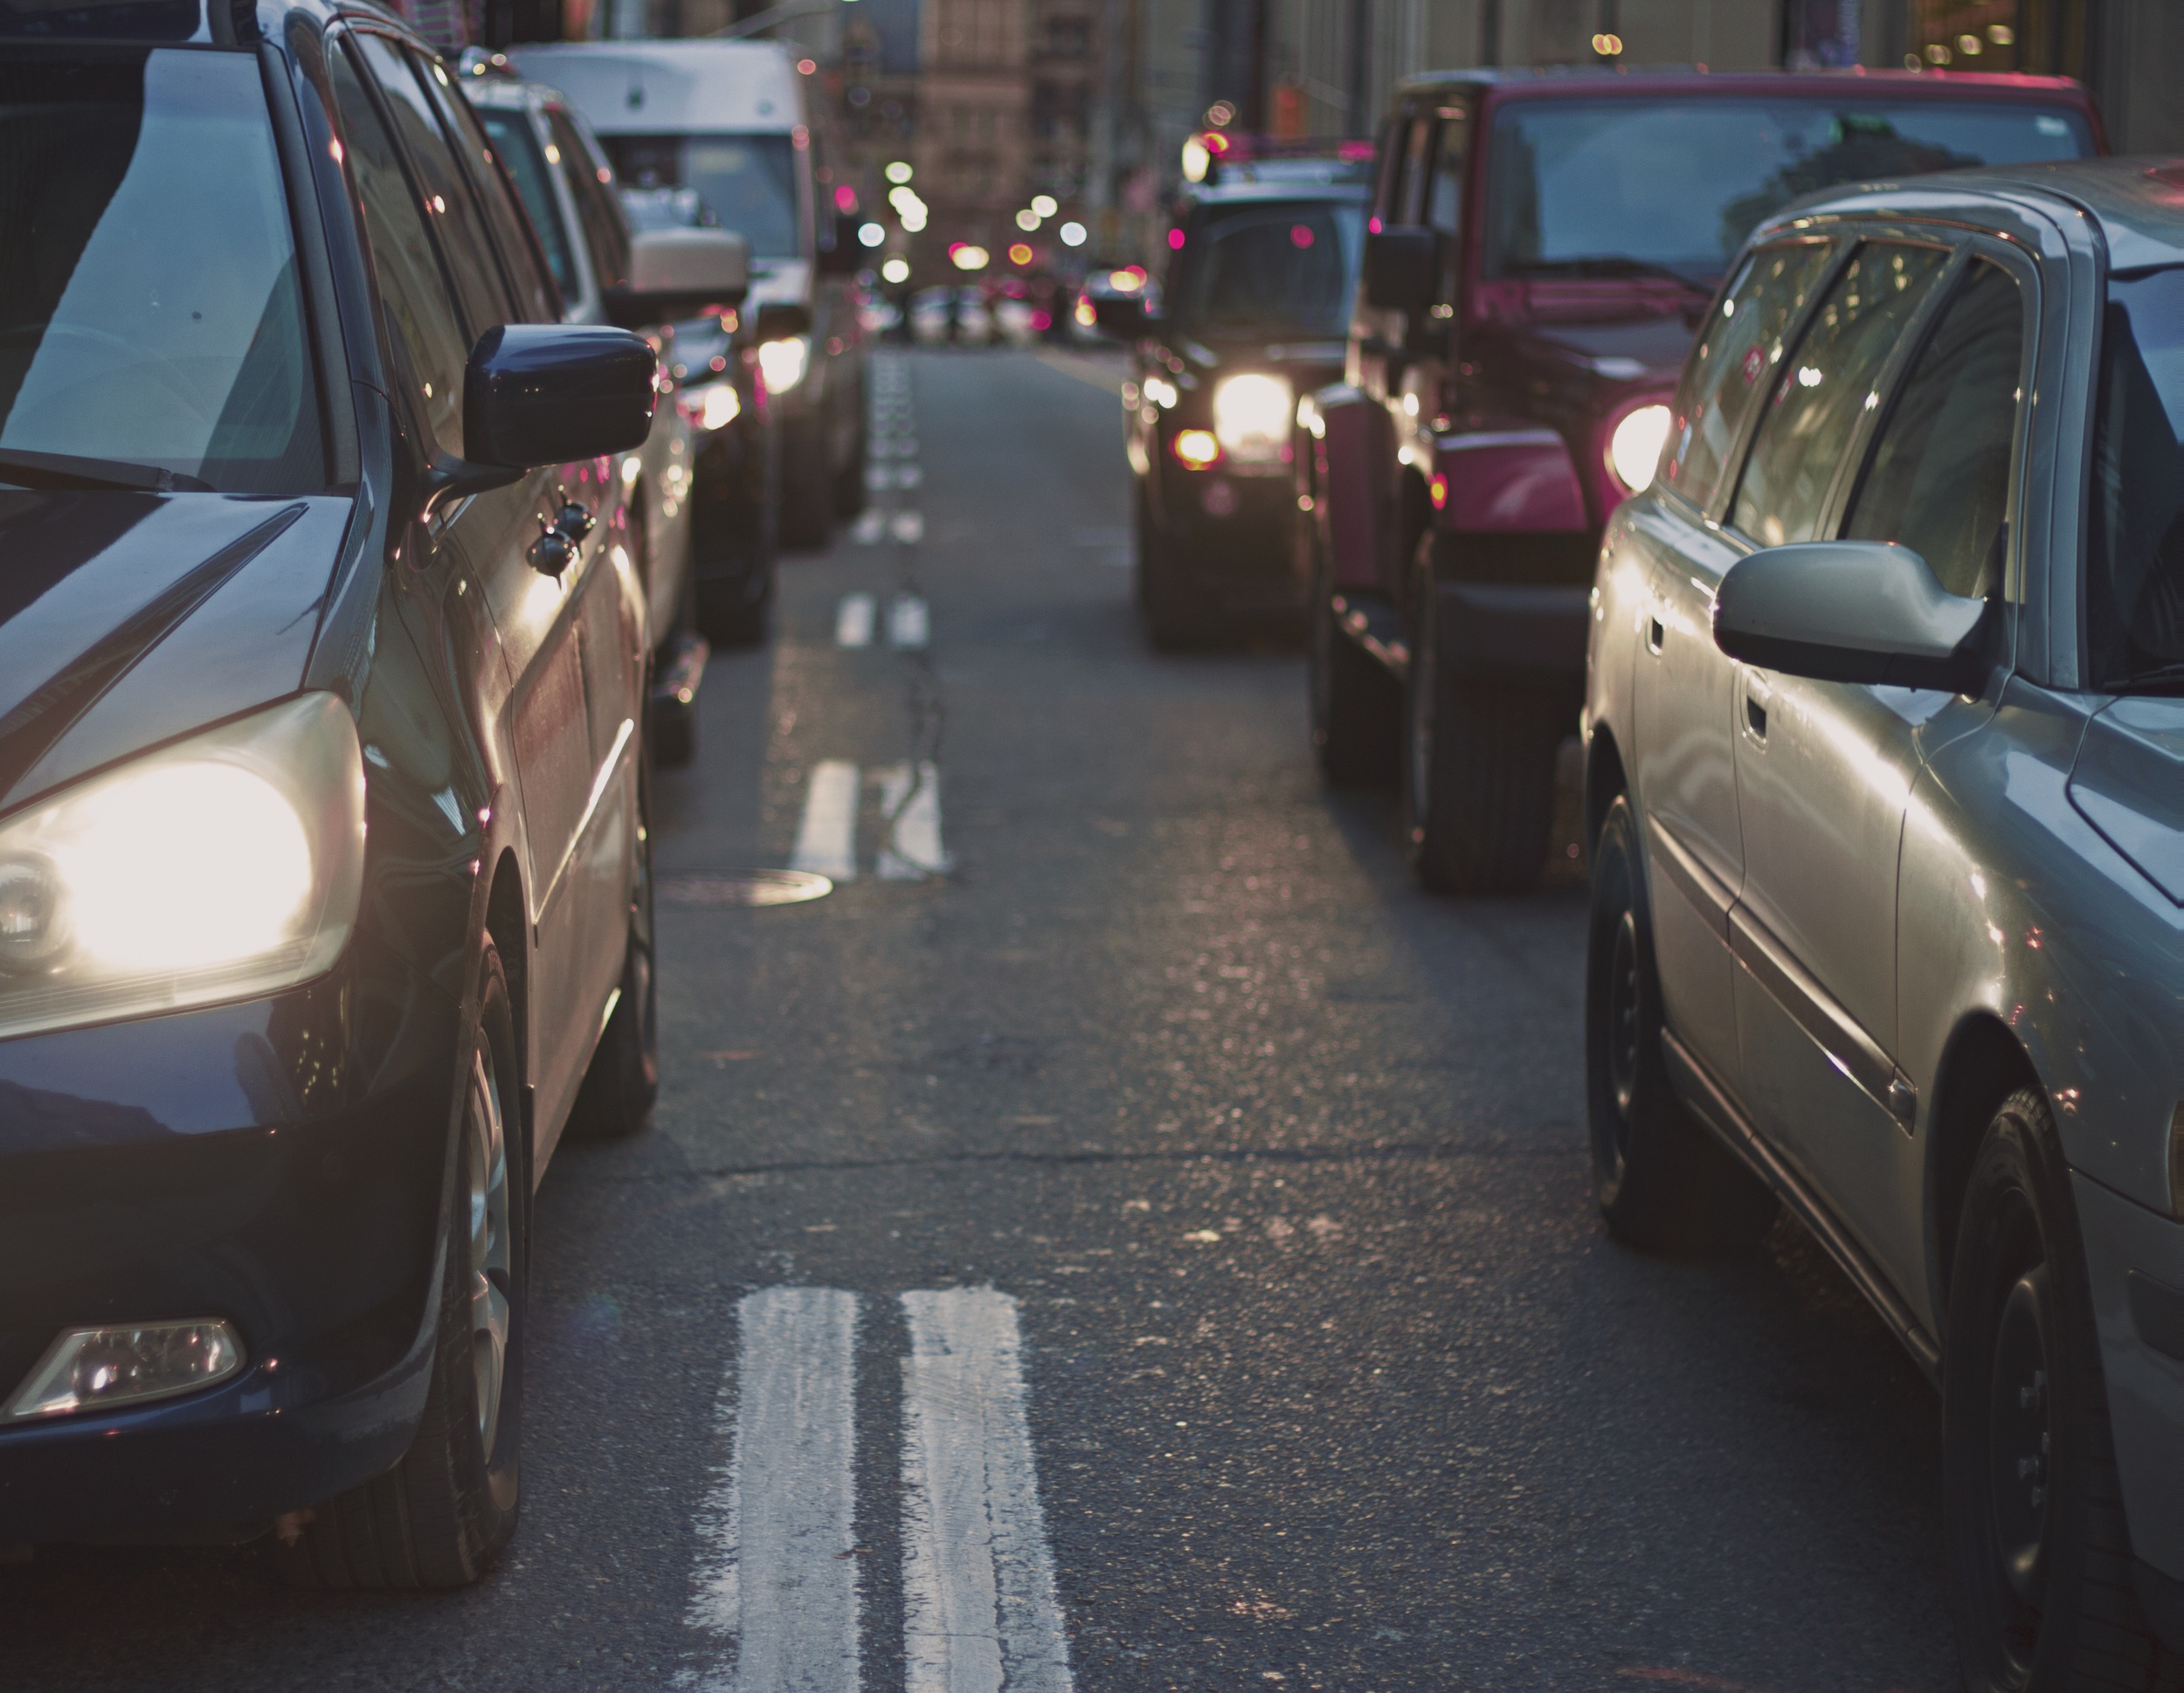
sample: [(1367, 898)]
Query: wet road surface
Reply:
[(1124, 1237)]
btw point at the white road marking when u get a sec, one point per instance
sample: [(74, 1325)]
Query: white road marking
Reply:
[(908, 476), (853, 620), (910, 799), (779, 1523), (907, 624), (979, 1601), (908, 525), (871, 525), (878, 477), (826, 834)]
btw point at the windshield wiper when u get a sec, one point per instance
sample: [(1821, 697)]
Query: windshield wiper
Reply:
[(58, 471), (2159, 678), (1609, 264)]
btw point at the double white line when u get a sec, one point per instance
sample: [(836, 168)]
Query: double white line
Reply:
[(778, 1587), (909, 812)]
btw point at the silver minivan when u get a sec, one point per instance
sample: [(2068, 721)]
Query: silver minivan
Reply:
[(1885, 742), (731, 120)]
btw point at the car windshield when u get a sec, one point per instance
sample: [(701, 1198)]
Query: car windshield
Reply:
[(517, 144), (746, 184), (1623, 186), (151, 321), (2135, 600), (1260, 268)]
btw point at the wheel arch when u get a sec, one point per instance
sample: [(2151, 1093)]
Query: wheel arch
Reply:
[(1603, 779), (1982, 1065)]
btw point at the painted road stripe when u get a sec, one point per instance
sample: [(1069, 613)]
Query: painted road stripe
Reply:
[(853, 620), (908, 525), (906, 623), (908, 476), (826, 834), (978, 1602), (871, 525), (779, 1576), (909, 800)]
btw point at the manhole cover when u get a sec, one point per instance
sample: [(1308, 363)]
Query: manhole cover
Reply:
[(751, 888)]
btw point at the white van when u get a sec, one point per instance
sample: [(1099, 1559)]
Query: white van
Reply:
[(730, 121)]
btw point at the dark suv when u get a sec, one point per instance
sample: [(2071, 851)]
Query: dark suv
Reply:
[(1542, 249)]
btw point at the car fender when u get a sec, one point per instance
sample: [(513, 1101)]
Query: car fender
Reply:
[(1515, 480), (1351, 457)]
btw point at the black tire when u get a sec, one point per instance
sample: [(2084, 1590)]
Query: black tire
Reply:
[(735, 612), (1175, 619), (1661, 1179), (444, 1514), (1356, 705), (807, 487), (1478, 765), (622, 1082), (851, 495), (2039, 1555)]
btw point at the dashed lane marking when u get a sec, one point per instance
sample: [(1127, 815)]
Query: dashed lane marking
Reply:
[(853, 620), (910, 801), (870, 528), (779, 1576), (908, 525), (979, 1598), (907, 622), (826, 834)]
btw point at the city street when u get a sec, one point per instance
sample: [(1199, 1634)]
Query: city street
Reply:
[(1124, 1237)]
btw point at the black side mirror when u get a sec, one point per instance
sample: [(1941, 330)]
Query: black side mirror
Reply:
[(846, 257), (1850, 612), (677, 273), (1122, 316), (548, 393), (779, 319), (1400, 268)]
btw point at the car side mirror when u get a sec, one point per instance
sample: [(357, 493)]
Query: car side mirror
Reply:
[(779, 319), (552, 394), (1122, 316), (1401, 268), (1850, 612), (677, 273)]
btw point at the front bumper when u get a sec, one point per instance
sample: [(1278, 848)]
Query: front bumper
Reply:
[(1230, 537), (2134, 1260), (221, 1163)]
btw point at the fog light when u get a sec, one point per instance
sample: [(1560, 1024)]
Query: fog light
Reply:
[(92, 1369), (1197, 448)]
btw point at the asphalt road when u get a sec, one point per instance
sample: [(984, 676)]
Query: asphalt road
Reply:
[(1329, 1376)]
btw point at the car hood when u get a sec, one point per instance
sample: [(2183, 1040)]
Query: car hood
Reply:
[(1650, 347), (2129, 784), (128, 618)]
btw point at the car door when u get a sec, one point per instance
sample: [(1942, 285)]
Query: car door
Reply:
[(1924, 352), (1683, 758)]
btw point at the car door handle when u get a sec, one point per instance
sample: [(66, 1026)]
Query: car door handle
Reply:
[(1654, 634), (1756, 700)]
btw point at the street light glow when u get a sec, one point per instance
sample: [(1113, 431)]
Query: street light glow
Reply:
[(1073, 233), (1045, 204), (898, 172)]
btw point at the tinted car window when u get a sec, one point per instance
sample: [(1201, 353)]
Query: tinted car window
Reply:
[(521, 260), (1938, 479), (446, 196), (1260, 269), (420, 319), (1823, 387), (1735, 360), (517, 144), (1679, 183), (2135, 541), (591, 181), (152, 313), (747, 182)]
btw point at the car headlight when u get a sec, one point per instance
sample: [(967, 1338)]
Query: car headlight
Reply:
[(782, 363), (1633, 451), (225, 866), (714, 406), (1251, 416)]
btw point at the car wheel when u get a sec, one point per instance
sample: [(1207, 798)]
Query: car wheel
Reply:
[(623, 1081), (1175, 621), (850, 494), (736, 612), (1478, 765), (1356, 708), (807, 487), (1661, 1180), (441, 1517), (2039, 1554)]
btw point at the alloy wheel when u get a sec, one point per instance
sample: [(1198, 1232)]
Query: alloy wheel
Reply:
[(488, 1161), (2020, 1452), (1623, 1025)]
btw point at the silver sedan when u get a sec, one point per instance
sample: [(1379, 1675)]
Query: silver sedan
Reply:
[(1884, 736)]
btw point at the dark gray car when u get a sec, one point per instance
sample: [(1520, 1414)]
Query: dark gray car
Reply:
[(1884, 737)]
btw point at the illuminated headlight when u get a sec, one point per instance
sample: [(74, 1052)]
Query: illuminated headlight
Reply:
[(716, 406), (781, 363), (1634, 452), (225, 866), (1251, 416)]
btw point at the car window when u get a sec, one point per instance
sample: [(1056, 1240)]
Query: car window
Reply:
[(152, 311), (1735, 359), (747, 183), (1822, 389), (512, 235), (518, 143), (420, 317), (1256, 269), (1938, 480), (1394, 147), (446, 196), (591, 181), (1444, 195), (2135, 538), (1417, 151)]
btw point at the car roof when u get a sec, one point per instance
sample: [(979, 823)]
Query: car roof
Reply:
[(2138, 205), (1246, 193), (1585, 81), (672, 87)]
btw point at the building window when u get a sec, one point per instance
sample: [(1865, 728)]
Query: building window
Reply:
[(1967, 35)]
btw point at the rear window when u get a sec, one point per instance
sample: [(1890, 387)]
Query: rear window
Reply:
[(2135, 540), (1609, 187), (746, 184), (153, 317), (1285, 268)]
